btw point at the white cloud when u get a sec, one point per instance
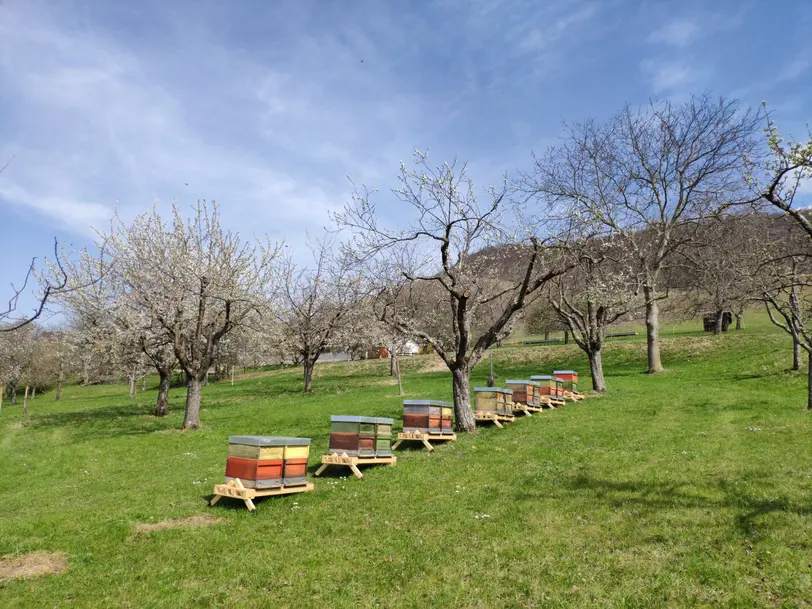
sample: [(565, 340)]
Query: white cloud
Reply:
[(668, 77), (677, 32)]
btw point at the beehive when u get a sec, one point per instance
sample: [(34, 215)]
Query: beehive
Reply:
[(525, 392), (352, 435), (548, 386), (493, 400), (569, 378), (383, 436), (428, 416), (264, 462)]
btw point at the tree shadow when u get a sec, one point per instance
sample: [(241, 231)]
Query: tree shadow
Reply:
[(97, 423), (663, 495)]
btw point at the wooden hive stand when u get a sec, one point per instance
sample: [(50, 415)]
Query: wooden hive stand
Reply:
[(353, 462), (425, 438), (236, 490), (572, 396), (496, 419), (522, 408)]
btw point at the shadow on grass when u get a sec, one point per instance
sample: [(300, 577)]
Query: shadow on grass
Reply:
[(661, 495), (107, 422)]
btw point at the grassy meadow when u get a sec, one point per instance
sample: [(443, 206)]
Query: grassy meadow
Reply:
[(688, 489)]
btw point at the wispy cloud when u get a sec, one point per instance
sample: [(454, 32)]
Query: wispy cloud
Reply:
[(669, 77), (677, 32)]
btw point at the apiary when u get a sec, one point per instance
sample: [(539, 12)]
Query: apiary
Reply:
[(569, 378), (428, 416)]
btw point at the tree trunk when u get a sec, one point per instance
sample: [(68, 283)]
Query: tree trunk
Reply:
[(13, 396), (144, 383), (462, 399), (809, 384), (739, 320), (308, 364), (25, 403), (653, 331), (60, 380), (566, 337), (33, 392), (162, 403), (132, 386), (85, 371), (546, 335), (2, 395), (232, 375), (717, 326), (191, 416), (596, 369), (796, 354), (393, 363)]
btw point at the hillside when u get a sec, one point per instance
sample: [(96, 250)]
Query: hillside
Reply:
[(686, 489)]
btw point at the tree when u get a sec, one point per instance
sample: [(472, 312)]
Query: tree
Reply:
[(719, 270), (458, 275), (777, 180), (648, 176), (194, 281), (601, 287), (318, 301)]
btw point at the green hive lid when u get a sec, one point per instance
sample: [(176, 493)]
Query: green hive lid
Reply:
[(534, 383), (426, 403), (564, 372), (351, 419), (541, 377), (268, 441), (384, 421), (496, 389)]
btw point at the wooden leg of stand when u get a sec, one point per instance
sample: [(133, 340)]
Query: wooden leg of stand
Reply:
[(320, 471)]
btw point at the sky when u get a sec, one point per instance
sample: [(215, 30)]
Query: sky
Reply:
[(268, 107)]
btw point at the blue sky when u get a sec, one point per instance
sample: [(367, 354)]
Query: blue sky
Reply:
[(266, 107)]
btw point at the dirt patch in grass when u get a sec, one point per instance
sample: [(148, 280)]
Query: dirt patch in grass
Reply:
[(202, 520), (435, 364), (33, 564), (12, 426)]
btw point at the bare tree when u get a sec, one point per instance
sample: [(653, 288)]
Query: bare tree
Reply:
[(458, 275), (601, 288), (194, 281), (318, 302), (647, 176)]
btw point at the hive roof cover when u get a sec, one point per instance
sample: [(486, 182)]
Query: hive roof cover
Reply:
[(496, 389), (384, 421), (541, 377), (426, 403), (534, 383), (268, 441), (336, 418), (564, 372)]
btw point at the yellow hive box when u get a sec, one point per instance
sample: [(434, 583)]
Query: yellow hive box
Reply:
[(259, 453)]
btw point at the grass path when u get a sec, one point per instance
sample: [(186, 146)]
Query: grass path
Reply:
[(691, 488)]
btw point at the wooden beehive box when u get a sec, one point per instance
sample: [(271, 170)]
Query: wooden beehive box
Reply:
[(525, 392), (428, 416), (493, 400), (264, 462), (352, 435), (570, 378), (383, 436), (547, 386)]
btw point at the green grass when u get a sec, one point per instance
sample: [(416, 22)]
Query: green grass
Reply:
[(691, 488)]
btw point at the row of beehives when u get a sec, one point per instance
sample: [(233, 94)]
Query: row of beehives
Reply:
[(539, 391), (268, 462)]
